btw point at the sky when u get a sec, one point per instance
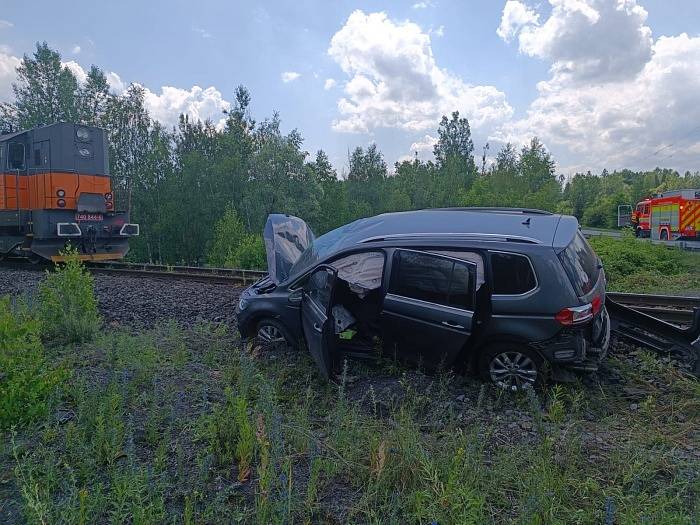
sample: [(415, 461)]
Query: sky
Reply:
[(603, 83)]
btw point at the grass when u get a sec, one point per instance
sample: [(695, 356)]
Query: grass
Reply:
[(633, 265), (183, 426)]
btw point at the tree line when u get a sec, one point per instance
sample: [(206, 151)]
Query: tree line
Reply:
[(201, 193)]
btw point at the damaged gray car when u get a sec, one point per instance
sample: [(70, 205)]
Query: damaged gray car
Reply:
[(506, 292)]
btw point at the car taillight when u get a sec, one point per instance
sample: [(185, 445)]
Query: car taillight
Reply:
[(596, 304), (575, 315)]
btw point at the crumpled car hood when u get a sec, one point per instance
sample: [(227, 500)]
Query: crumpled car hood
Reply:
[(286, 237)]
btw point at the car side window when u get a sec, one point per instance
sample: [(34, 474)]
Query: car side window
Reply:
[(462, 287), (512, 274), (433, 279), (318, 288)]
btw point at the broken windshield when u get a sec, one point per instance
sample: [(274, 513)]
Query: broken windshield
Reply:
[(319, 249)]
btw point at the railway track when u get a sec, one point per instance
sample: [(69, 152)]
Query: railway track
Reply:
[(671, 308)]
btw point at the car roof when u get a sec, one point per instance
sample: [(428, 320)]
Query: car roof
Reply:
[(485, 224)]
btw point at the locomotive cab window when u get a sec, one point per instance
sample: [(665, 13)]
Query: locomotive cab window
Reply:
[(16, 156), (2, 156)]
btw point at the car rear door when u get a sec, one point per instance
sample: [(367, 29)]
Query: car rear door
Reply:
[(429, 306), (316, 299)]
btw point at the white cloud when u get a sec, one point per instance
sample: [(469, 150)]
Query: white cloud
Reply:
[(585, 40), (329, 84), (77, 70), (395, 81), (595, 111), (440, 31), (198, 103), (423, 4), (424, 144), (516, 15), (202, 32), (76, 49), (290, 76), (115, 82), (5, 24), (8, 74)]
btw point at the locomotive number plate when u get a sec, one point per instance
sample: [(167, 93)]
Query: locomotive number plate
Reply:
[(88, 217)]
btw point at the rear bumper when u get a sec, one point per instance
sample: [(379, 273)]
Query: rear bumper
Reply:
[(581, 348)]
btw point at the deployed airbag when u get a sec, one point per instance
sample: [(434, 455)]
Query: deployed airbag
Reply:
[(362, 271)]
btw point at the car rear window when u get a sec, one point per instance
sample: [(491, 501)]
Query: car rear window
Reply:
[(433, 279), (512, 274), (581, 264)]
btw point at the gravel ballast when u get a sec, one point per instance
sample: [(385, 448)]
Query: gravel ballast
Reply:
[(143, 301)]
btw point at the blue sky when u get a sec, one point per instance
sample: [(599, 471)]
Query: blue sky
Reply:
[(604, 83)]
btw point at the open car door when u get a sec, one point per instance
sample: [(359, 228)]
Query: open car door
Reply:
[(316, 301)]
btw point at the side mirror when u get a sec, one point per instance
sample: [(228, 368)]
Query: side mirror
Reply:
[(295, 296)]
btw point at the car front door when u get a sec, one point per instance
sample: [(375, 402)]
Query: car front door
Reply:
[(316, 299), (429, 306)]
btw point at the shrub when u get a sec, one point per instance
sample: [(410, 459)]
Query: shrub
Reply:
[(68, 308), (26, 379), (232, 247), (229, 232), (249, 254), (635, 265)]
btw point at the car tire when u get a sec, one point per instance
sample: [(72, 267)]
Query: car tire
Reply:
[(512, 367), (271, 335)]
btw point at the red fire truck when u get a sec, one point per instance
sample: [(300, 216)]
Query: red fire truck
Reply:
[(669, 216)]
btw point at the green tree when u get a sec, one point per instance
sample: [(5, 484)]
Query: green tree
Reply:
[(455, 141), (45, 91)]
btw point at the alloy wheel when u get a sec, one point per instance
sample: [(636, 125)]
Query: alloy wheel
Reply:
[(270, 337), (513, 371)]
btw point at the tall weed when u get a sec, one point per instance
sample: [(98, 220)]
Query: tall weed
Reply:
[(26, 378), (67, 303)]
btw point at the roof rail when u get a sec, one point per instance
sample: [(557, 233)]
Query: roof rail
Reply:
[(496, 209), (490, 237)]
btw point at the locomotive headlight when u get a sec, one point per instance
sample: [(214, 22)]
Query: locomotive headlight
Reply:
[(108, 196), (61, 193), (84, 152), (82, 134), (61, 203)]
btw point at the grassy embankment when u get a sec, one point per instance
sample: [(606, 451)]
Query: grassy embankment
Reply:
[(633, 265)]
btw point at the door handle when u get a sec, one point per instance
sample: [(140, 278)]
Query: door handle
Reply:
[(452, 324), (317, 327)]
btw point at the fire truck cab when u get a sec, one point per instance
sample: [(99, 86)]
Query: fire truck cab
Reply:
[(669, 216)]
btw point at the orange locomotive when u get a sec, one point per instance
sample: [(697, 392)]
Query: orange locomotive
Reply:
[(669, 216), (55, 189)]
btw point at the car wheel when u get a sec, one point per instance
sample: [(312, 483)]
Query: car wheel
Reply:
[(270, 335), (512, 367)]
